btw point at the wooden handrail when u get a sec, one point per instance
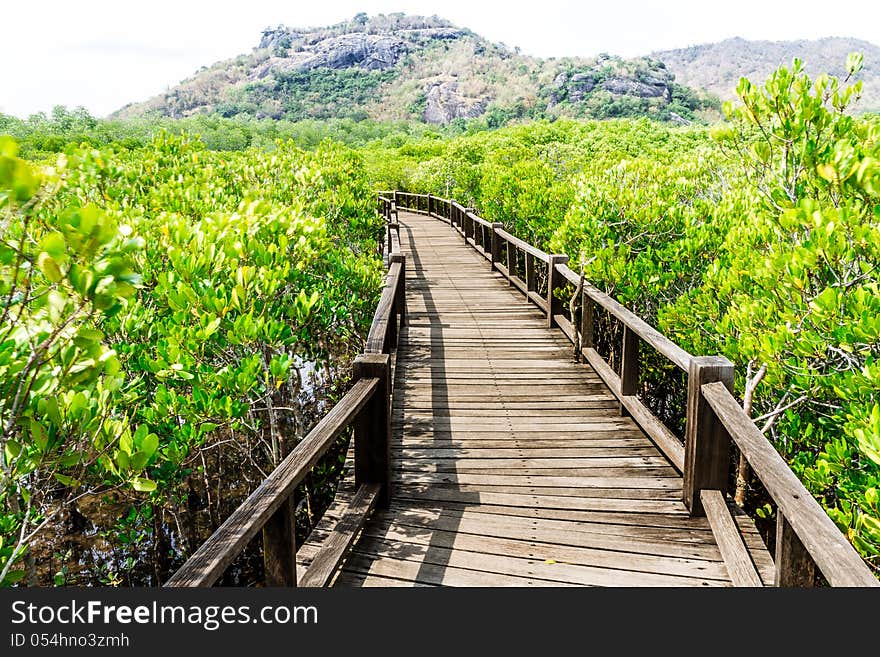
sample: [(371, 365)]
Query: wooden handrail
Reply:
[(385, 316), (207, 564), (524, 246), (640, 327), (831, 552), (806, 536)]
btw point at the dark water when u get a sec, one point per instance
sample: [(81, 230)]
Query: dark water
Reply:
[(120, 539)]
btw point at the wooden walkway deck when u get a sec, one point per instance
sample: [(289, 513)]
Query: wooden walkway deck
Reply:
[(511, 463)]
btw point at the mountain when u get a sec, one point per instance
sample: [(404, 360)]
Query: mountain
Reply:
[(717, 67), (412, 67)]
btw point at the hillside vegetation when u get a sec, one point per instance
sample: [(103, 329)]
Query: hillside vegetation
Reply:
[(400, 67)]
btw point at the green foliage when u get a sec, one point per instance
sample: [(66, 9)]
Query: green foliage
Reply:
[(796, 286), (319, 93), (156, 300)]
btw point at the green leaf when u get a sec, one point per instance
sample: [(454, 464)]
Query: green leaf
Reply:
[(150, 444), (54, 245), (38, 434), (126, 444), (139, 460), (13, 577), (143, 485), (49, 267), (67, 481), (11, 450)]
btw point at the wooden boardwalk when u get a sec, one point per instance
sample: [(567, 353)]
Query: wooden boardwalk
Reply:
[(511, 463)]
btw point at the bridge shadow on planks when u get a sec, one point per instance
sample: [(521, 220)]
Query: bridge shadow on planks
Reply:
[(434, 560), (512, 465)]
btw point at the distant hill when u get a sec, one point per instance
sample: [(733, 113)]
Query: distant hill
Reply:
[(413, 67), (717, 67)]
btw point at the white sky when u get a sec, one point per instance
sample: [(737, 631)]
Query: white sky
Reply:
[(102, 54)]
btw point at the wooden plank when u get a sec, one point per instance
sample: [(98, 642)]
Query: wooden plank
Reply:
[(414, 498), (733, 551), (663, 483), (550, 571), (338, 543), (561, 450), (635, 463), (536, 486), (761, 557), (833, 554), (360, 580), (550, 553), (437, 575), (209, 561), (623, 437)]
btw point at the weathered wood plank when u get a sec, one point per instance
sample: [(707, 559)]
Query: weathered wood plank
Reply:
[(336, 546), (733, 551), (549, 570)]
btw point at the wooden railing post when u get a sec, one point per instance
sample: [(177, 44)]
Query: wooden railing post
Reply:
[(531, 283), (629, 365), (496, 243), (586, 321), (794, 565), (430, 205), (553, 278), (372, 428), (279, 546), (707, 444), (511, 263), (400, 300)]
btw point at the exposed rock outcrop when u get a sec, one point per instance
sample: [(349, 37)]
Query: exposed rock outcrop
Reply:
[(649, 88), (444, 103)]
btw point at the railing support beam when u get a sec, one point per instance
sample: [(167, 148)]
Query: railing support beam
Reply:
[(629, 366), (795, 567), (372, 428), (554, 279), (279, 546), (496, 243), (707, 443), (400, 300)]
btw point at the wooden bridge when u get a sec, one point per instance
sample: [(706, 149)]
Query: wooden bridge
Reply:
[(485, 455)]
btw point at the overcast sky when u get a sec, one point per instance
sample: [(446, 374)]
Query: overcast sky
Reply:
[(102, 54)]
